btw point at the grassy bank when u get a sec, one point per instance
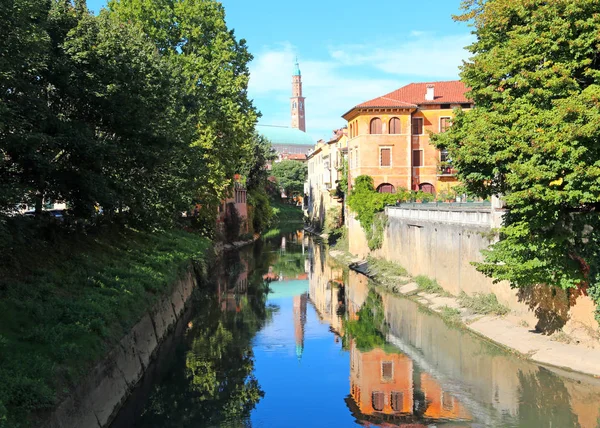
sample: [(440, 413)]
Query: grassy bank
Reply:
[(286, 213), (65, 304)]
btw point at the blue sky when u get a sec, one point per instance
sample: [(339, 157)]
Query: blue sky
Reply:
[(349, 51)]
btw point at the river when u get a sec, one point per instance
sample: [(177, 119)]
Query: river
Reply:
[(285, 337)]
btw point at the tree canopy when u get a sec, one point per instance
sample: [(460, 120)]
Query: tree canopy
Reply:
[(141, 110), (533, 136), (290, 176)]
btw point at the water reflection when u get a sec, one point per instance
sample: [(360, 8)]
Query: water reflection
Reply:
[(285, 337), (408, 366)]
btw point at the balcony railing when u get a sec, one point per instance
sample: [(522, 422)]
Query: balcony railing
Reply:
[(446, 171)]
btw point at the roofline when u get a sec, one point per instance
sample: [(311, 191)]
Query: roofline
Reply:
[(406, 106)]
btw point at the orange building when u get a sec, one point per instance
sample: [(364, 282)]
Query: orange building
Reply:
[(389, 137), (381, 382)]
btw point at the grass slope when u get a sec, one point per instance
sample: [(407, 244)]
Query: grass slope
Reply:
[(63, 306)]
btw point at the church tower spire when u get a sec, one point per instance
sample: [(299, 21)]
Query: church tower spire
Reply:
[(297, 100)]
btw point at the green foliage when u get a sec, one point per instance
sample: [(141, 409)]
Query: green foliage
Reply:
[(385, 268), (261, 210), (255, 169), (370, 328), (366, 202), (430, 285), (70, 300), (286, 213), (233, 223), (450, 315), (290, 176), (341, 189), (481, 303), (142, 110), (533, 137)]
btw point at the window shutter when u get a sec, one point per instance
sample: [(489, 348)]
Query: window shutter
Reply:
[(417, 161), (387, 370), (394, 125), (386, 157), (378, 400), (397, 401), (417, 125), (376, 126)]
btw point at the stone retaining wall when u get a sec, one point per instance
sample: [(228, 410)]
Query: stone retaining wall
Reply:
[(441, 244), (97, 400)]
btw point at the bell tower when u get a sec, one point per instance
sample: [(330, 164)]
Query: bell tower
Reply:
[(297, 100)]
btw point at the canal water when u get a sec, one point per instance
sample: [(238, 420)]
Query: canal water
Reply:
[(285, 337)]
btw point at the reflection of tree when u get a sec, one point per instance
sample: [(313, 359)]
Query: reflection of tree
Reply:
[(290, 264), (544, 401), (370, 328)]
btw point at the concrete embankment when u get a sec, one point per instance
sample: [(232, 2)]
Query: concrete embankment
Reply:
[(548, 325), (100, 395)]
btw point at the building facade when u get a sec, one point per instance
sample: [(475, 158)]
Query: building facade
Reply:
[(324, 171), (389, 137)]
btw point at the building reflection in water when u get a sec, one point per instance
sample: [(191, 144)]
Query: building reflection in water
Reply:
[(299, 322), (417, 370)]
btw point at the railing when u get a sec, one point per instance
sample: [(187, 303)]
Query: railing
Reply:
[(446, 171), (446, 206), (466, 213)]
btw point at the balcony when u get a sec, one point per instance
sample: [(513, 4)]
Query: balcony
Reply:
[(446, 171)]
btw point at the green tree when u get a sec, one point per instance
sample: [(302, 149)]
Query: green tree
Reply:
[(212, 66), (533, 136), (290, 176)]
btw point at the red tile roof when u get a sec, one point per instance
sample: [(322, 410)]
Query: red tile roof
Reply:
[(293, 156), (413, 95)]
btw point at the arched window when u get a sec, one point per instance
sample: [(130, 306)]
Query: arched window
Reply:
[(427, 188), (351, 129), (375, 126), (294, 105), (356, 128), (386, 188), (394, 125), (397, 400)]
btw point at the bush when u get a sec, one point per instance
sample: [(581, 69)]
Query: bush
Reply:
[(261, 212), (366, 202)]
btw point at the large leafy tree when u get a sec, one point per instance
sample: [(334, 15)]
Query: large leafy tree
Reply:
[(290, 176), (212, 64), (534, 136)]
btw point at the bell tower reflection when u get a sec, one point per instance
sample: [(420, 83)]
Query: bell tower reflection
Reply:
[(299, 322)]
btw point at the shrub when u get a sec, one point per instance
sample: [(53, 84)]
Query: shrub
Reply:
[(366, 202)]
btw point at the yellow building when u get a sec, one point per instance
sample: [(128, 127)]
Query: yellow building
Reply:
[(389, 137), (324, 164)]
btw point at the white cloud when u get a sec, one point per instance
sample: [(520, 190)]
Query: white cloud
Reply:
[(423, 55), (352, 74)]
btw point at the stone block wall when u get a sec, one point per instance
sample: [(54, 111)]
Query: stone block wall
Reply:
[(97, 400)]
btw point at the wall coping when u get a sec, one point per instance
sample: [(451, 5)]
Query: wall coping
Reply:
[(482, 214)]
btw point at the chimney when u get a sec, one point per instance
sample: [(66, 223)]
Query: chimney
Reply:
[(429, 96)]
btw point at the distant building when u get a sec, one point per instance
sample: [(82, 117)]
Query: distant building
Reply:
[(291, 140), (389, 137), (324, 172)]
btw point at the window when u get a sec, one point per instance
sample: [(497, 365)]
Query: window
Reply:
[(465, 105), (447, 401), (385, 156), (351, 128), (417, 125), (300, 105), (427, 188), (386, 188), (445, 106), (444, 123), (417, 157), (387, 370), (378, 400), (294, 104), (397, 400), (394, 125), (444, 156), (375, 126)]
